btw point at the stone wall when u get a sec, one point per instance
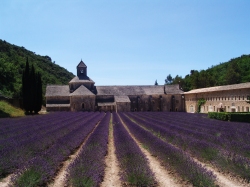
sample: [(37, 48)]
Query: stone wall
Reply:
[(229, 101), (82, 103), (123, 107), (57, 108), (163, 102), (58, 100)]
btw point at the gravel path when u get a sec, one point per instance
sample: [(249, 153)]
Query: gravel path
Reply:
[(111, 176)]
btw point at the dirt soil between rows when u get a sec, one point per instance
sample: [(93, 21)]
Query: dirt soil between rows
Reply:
[(163, 177), (111, 176)]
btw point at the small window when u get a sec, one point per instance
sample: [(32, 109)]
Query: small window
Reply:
[(83, 106), (191, 108)]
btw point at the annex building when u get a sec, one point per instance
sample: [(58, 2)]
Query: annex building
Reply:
[(81, 94)]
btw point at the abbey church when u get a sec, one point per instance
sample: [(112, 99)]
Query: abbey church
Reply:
[(82, 95)]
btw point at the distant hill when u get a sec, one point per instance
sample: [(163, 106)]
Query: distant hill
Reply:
[(12, 64), (236, 70)]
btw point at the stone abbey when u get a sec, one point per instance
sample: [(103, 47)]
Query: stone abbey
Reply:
[(82, 95)]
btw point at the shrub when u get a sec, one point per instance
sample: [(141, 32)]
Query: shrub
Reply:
[(230, 116)]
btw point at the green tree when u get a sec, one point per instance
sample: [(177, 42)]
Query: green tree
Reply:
[(169, 79), (39, 93), (31, 89), (25, 87), (194, 79), (233, 73)]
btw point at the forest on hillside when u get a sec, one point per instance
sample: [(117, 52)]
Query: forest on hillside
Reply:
[(12, 65), (236, 70)]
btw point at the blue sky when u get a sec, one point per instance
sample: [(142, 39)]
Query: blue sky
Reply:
[(132, 42)]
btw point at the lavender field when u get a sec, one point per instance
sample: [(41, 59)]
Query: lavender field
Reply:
[(34, 149)]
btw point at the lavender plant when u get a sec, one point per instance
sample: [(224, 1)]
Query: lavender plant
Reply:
[(134, 165), (173, 158), (88, 169), (21, 149), (219, 148), (45, 164)]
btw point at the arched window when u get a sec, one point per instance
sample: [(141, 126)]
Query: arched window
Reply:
[(83, 105), (191, 108)]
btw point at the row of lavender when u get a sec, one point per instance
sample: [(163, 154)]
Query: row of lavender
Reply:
[(133, 163), (218, 142), (232, 136), (18, 139), (88, 168), (233, 131), (36, 151), (173, 158)]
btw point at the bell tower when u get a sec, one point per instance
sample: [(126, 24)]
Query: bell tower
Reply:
[(81, 70)]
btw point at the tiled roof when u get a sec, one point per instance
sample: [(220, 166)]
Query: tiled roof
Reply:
[(106, 104), (137, 90), (81, 64), (82, 90), (221, 88), (173, 89), (57, 90), (82, 80), (122, 99), (57, 105)]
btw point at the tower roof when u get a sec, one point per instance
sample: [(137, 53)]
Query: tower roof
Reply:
[(81, 64)]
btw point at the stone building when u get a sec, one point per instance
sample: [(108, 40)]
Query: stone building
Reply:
[(229, 98), (82, 95)]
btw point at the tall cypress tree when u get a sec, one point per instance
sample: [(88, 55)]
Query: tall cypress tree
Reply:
[(25, 86), (38, 95), (31, 89), (32, 83)]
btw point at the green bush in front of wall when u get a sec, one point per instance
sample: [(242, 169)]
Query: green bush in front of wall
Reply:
[(230, 116), (240, 117), (219, 115)]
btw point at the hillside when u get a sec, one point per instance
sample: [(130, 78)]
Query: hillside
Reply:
[(12, 64), (236, 70), (7, 110)]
